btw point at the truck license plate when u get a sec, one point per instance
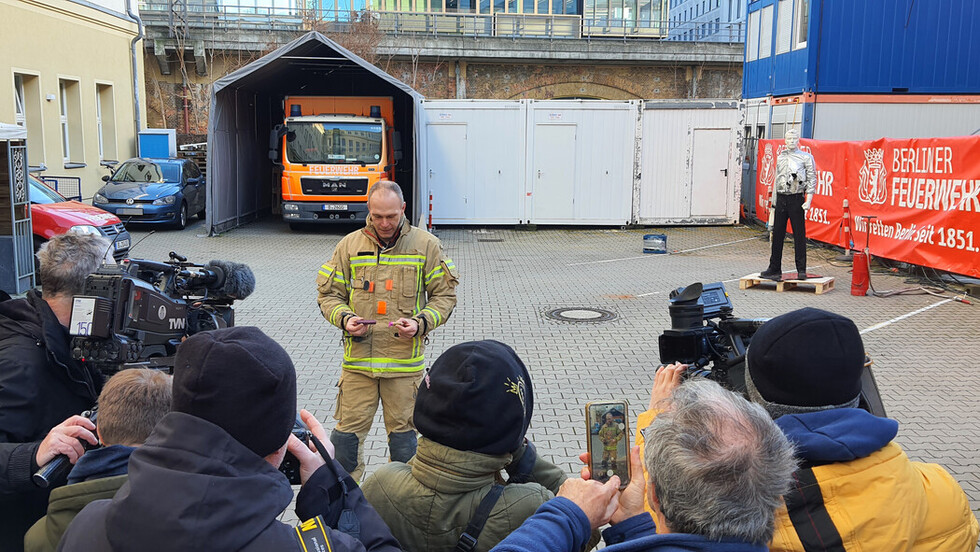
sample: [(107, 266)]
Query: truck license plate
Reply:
[(334, 206)]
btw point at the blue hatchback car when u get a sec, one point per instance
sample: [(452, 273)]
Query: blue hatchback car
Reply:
[(154, 191)]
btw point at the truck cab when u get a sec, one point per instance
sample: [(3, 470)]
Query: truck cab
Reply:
[(330, 159)]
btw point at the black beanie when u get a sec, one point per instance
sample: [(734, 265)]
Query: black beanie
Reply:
[(476, 397), (240, 380), (808, 358)]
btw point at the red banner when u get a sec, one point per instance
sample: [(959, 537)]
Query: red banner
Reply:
[(921, 197)]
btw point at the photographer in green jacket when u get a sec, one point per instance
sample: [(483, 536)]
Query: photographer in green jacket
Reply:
[(473, 410)]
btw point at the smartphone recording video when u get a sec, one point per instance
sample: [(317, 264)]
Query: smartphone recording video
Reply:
[(609, 442)]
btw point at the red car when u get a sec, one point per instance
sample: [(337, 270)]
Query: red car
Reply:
[(52, 214)]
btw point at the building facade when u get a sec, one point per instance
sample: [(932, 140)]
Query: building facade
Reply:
[(844, 70), (707, 20), (66, 75)]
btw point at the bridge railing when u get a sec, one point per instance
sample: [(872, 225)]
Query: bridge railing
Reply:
[(196, 14)]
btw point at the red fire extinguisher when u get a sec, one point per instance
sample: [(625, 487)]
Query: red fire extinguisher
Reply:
[(860, 275)]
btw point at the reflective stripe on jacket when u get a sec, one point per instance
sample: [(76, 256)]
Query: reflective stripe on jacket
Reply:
[(410, 279)]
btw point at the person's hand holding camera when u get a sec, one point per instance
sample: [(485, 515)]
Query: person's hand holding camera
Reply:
[(667, 379), (64, 439), (307, 455), (597, 500)]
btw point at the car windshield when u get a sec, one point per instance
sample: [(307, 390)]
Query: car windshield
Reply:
[(141, 170), (42, 194), (334, 143)]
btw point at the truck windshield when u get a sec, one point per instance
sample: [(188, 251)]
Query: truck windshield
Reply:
[(334, 143)]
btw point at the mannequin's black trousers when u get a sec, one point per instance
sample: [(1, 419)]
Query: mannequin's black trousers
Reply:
[(789, 207)]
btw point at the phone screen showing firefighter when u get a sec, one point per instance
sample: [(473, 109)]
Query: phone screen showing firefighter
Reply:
[(608, 440)]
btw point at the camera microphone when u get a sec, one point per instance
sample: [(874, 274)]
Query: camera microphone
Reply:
[(232, 279)]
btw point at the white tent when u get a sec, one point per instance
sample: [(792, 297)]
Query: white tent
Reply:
[(246, 104)]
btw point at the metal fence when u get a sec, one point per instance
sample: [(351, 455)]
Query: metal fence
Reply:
[(68, 186), (229, 17)]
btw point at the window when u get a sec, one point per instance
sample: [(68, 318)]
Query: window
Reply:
[(27, 113), (802, 24), (784, 26), (20, 115), (765, 32), (70, 112), (105, 120), (65, 141), (752, 44)]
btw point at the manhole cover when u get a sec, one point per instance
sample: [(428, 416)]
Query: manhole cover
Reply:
[(581, 314)]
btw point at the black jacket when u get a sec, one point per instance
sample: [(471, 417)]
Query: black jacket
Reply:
[(194, 487), (40, 386)]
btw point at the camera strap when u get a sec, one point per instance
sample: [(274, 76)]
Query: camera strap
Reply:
[(467, 541)]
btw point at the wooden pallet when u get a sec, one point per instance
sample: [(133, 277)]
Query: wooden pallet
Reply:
[(821, 284)]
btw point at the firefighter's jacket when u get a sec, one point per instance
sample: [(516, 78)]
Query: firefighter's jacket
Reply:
[(410, 279), (857, 490)]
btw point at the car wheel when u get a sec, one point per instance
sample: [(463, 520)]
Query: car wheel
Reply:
[(182, 216)]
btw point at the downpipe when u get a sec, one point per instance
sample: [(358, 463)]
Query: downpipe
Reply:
[(136, 84)]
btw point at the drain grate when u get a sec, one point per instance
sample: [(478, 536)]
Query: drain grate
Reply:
[(489, 239), (581, 314)]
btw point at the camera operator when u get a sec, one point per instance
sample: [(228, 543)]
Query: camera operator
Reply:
[(716, 468), (130, 405), (41, 386), (473, 410), (207, 475), (856, 488)]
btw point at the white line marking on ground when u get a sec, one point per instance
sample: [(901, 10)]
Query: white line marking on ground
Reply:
[(647, 256), (903, 317), (723, 281)]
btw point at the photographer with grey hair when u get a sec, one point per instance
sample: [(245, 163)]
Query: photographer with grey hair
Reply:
[(716, 469), (42, 389)]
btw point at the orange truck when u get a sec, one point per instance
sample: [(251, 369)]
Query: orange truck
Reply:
[(332, 150)]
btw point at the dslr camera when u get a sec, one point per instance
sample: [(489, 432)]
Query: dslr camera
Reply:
[(290, 464), (134, 314)]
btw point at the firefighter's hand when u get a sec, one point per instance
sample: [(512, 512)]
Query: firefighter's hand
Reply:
[(65, 438), (406, 327), (354, 326), (667, 379)]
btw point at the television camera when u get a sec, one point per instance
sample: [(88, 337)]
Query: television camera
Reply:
[(706, 336), (135, 313)]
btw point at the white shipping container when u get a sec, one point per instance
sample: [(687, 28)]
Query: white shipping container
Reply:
[(690, 162), (474, 161), (580, 161)]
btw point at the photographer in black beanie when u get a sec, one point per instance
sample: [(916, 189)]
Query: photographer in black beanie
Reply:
[(473, 409), (207, 476)]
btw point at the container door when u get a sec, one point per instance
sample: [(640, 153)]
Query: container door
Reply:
[(553, 172), (446, 171), (709, 186)]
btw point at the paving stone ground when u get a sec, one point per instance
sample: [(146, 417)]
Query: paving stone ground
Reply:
[(926, 364)]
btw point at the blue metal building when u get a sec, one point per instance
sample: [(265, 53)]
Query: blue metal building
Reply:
[(852, 70), (859, 70)]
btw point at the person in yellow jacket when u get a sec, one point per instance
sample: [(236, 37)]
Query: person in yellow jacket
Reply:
[(386, 287), (855, 488)]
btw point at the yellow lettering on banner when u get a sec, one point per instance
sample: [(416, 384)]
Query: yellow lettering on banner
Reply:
[(308, 525)]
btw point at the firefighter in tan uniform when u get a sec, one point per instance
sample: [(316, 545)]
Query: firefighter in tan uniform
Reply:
[(395, 275)]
